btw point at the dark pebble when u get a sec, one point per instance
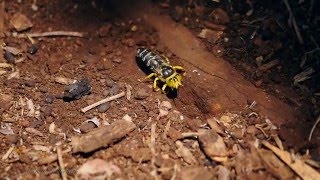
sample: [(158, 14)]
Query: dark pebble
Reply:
[(30, 83), (9, 57), (43, 89), (32, 49), (86, 127), (47, 111), (49, 99), (103, 107), (109, 82), (114, 90)]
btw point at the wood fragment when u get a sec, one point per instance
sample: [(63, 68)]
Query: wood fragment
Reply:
[(85, 109), (61, 164), (298, 166), (7, 154), (51, 34), (268, 65), (102, 136)]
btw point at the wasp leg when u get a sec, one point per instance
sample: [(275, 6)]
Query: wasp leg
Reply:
[(155, 84), (180, 68), (166, 58), (164, 88), (149, 76)]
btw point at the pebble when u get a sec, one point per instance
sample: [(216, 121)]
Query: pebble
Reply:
[(141, 94), (117, 60), (109, 82), (47, 111), (9, 57), (32, 49), (103, 107), (25, 123), (43, 89), (114, 90), (106, 92), (49, 99), (30, 83), (12, 138), (252, 130), (86, 127), (237, 133), (130, 42)]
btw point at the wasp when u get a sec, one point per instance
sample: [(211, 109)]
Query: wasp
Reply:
[(169, 75)]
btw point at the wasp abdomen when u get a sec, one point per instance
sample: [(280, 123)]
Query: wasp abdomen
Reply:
[(149, 58)]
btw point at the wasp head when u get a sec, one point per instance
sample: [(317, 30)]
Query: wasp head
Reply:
[(174, 81)]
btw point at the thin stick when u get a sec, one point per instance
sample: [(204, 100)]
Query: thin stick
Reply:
[(7, 154), (60, 160), (153, 150), (296, 28), (52, 33), (313, 128), (85, 109)]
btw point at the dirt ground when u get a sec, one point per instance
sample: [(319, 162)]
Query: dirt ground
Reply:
[(238, 115)]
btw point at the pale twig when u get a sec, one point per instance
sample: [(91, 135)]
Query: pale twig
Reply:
[(7, 154), (296, 28), (153, 149), (313, 128), (61, 164), (85, 109), (51, 34)]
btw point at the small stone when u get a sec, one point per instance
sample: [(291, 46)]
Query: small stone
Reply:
[(30, 83), (47, 111), (86, 127), (32, 49), (210, 35), (104, 30), (117, 60), (106, 92), (109, 82), (134, 28), (252, 130), (115, 89), (24, 158), (12, 138), (43, 89), (259, 60), (130, 42), (141, 94), (49, 99), (237, 133), (103, 107), (9, 57), (25, 123)]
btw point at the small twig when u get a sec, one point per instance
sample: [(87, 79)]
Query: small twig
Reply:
[(52, 33), (313, 128), (175, 169), (60, 160), (7, 154), (153, 149), (296, 28), (85, 109)]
